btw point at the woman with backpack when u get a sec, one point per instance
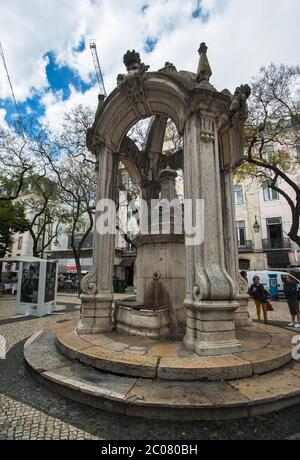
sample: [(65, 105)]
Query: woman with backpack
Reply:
[(260, 296)]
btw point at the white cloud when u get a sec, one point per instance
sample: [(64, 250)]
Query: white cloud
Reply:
[(3, 123), (241, 36), (56, 107)]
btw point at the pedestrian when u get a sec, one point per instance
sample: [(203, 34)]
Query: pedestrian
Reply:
[(260, 296), (291, 295)]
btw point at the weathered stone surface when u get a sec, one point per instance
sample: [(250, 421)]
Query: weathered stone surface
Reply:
[(267, 359), (163, 399), (211, 368), (119, 363), (40, 352), (272, 386), (92, 382), (142, 322)]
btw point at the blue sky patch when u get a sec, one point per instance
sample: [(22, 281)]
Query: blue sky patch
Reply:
[(198, 12), (150, 44), (31, 109), (60, 78), (80, 47)]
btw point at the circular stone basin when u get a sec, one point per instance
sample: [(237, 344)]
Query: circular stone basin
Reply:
[(264, 348)]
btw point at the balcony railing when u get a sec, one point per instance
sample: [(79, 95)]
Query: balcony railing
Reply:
[(276, 243), (129, 251), (246, 246)]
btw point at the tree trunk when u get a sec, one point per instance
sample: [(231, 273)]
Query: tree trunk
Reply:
[(78, 267)]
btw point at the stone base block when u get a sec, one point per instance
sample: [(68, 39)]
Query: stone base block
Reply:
[(142, 322), (211, 328), (242, 317), (96, 314)]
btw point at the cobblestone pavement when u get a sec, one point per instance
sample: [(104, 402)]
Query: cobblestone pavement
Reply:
[(30, 411)]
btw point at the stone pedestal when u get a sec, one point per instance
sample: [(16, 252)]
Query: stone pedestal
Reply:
[(242, 317), (210, 328), (96, 314)]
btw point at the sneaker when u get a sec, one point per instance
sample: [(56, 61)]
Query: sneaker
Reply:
[(291, 325), (297, 325)]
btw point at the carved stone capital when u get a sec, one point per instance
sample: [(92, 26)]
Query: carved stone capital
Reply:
[(88, 283)]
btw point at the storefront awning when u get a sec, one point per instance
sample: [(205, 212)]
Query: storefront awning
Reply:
[(21, 259)]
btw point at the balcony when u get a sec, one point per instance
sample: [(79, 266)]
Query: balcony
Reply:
[(245, 246), (277, 243), (129, 251)]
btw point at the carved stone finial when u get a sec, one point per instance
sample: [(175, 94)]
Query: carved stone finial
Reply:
[(203, 48), (132, 61), (134, 66), (169, 67), (239, 100), (204, 70)]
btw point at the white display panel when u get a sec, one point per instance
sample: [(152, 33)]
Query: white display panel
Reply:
[(37, 288)]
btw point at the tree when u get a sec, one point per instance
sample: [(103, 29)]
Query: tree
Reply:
[(73, 168), (272, 135), (15, 163), (12, 220), (42, 201)]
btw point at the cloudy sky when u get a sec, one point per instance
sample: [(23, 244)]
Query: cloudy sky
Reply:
[(46, 44)]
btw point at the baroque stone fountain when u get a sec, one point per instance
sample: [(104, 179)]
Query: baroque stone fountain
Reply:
[(185, 348)]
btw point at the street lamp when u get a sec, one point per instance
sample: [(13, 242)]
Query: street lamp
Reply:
[(256, 226), (56, 243)]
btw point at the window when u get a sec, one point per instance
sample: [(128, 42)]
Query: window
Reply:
[(241, 232), (20, 243), (268, 153), (244, 264), (238, 194), (270, 194)]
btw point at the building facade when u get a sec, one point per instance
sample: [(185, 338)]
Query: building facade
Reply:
[(263, 221)]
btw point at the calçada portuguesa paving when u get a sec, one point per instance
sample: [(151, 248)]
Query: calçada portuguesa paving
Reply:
[(28, 411)]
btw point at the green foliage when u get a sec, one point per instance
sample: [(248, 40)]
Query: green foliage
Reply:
[(12, 220)]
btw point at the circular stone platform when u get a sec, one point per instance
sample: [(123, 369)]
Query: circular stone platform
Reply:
[(179, 385), (264, 348)]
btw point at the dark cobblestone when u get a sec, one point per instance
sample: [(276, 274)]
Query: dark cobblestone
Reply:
[(30, 411)]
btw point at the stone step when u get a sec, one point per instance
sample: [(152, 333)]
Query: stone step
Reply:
[(265, 348), (161, 399)]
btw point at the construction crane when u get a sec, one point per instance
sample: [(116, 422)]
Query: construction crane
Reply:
[(20, 120), (93, 48)]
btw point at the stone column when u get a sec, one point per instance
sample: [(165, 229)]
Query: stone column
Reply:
[(242, 317), (97, 286), (210, 299)]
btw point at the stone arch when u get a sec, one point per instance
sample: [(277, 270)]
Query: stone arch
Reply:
[(156, 93)]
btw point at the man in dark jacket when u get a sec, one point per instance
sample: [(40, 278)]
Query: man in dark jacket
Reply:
[(291, 295)]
